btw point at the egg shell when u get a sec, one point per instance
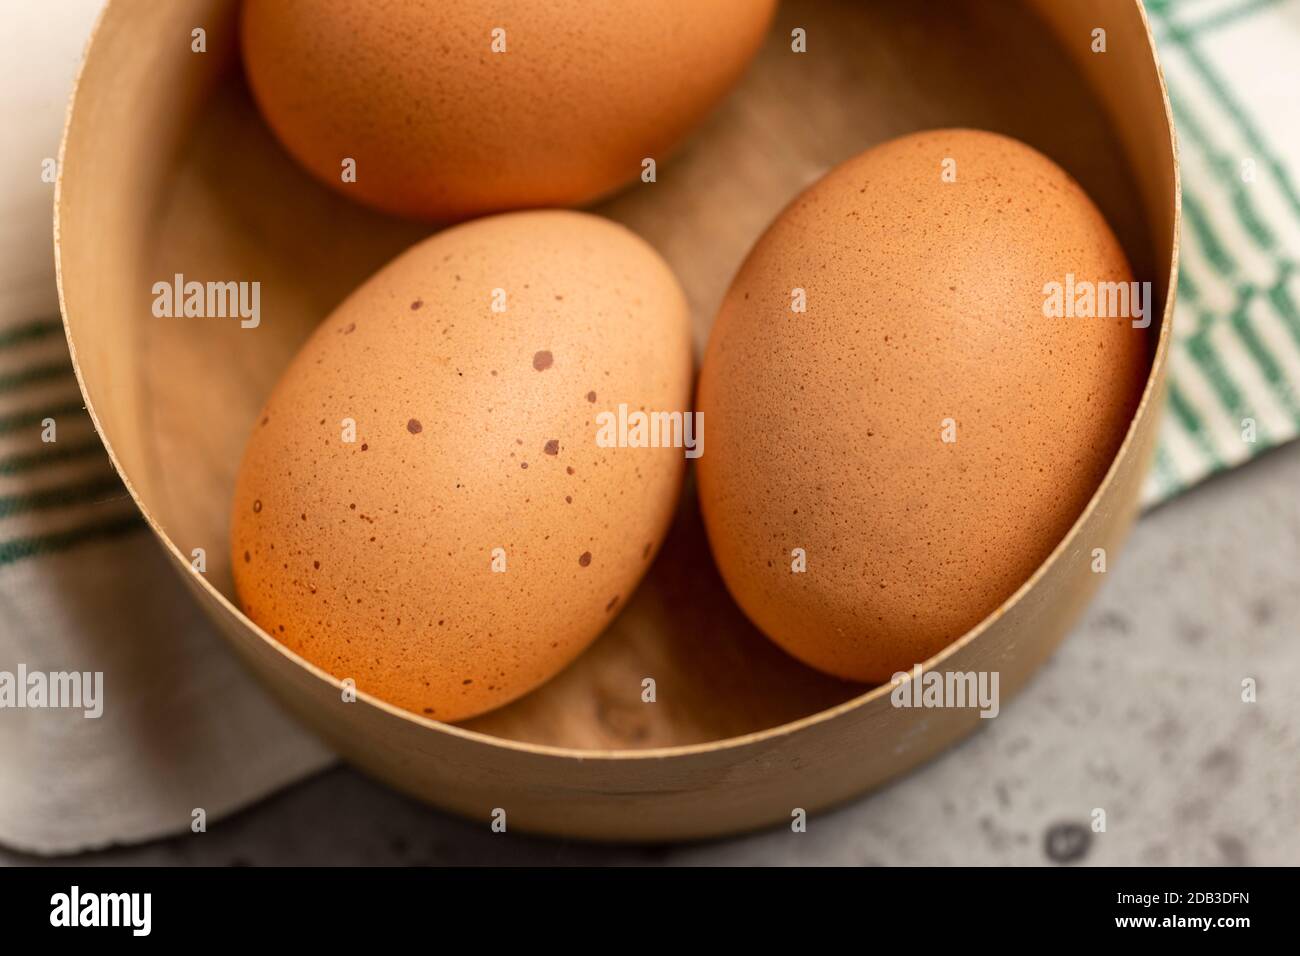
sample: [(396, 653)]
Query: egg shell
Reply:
[(446, 118), (472, 538), (925, 263)]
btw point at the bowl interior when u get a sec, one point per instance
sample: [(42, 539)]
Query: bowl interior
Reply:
[(225, 202)]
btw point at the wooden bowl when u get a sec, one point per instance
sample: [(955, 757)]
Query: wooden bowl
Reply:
[(167, 168)]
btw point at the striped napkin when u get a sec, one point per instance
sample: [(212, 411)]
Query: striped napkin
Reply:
[(1233, 70), (84, 587), (57, 488)]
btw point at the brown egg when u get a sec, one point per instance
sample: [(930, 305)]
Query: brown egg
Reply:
[(451, 110), (423, 505), (923, 435)]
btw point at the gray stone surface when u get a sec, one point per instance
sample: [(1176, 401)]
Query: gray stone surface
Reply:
[(1139, 714)]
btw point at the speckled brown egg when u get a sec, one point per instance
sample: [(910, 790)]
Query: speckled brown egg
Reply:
[(423, 505), (450, 110), (889, 465)]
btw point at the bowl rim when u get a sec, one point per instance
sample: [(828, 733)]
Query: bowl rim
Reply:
[(1147, 406)]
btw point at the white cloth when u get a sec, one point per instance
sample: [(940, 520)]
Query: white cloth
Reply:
[(83, 584)]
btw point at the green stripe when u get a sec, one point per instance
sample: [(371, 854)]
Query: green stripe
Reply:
[(102, 488), (30, 332), (1224, 17), (15, 549), (34, 374), (1221, 381), (1191, 423), (1280, 296), (50, 454), (29, 417), (1263, 358), (1224, 169), (1166, 472), (1221, 266), (1229, 103), (1188, 291), (1215, 254), (1223, 166)]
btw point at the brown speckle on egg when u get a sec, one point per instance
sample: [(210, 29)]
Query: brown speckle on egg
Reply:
[(542, 360), (344, 591)]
